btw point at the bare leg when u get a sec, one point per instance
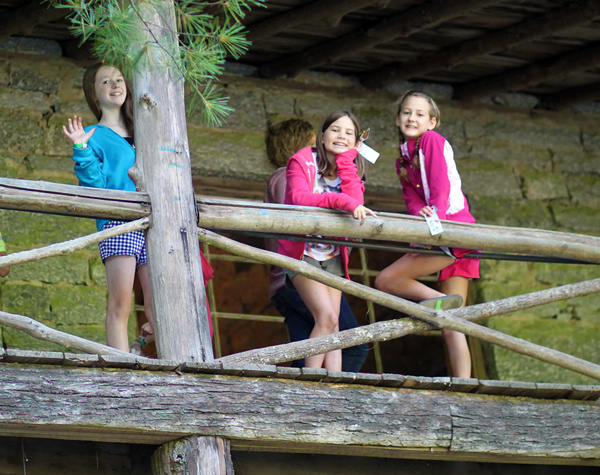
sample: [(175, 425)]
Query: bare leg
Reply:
[(400, 277), (120, 272), (458, 349), (324, 304), (145, 283)]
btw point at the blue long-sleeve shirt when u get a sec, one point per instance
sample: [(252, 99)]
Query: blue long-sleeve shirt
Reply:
[(105, 162)]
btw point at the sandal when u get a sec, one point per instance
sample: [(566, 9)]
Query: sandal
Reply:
[(137, 345)]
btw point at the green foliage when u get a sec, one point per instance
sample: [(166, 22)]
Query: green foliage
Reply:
[(206, 32)]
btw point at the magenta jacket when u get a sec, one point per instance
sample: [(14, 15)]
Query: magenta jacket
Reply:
[(300, 175), (436, 181)]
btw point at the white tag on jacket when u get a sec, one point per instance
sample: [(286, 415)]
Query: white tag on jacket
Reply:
[(368, 153), (435, 226)]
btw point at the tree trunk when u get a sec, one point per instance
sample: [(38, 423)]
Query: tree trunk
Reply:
[(162, 150), (190, 456), (174, 265)]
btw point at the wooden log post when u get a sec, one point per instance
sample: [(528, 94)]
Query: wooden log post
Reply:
[(162, 151), (174, 265)]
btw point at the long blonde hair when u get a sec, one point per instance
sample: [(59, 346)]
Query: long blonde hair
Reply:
[(434, 112)]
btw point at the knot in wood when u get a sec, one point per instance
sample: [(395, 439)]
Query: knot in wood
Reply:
[(148, 101)]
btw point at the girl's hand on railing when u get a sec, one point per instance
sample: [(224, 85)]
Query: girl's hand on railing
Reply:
[(361, 213)]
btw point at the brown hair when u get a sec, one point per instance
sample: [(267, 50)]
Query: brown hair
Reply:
[(89, 90), (434, 112), (323, 164), (285, 138)]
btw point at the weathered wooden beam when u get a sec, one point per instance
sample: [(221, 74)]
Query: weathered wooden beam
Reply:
[(72, 200), (157, 407), (260, 217), (42, 332), (439, 319), (402, 25), (572, 96), (328, 12), (23, 20), (556, 68), (451, 56), (62, 248), (162, 154)]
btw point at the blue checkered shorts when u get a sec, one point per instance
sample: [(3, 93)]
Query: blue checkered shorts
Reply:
[(130, 244)]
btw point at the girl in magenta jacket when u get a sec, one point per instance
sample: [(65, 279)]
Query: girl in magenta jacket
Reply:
[(329, 176), (429, 178)]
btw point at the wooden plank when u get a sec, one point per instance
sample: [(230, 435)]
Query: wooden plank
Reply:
[(519, 388), (339, 377), (288, 372), (404, 24), (21, 21), (556, 67), (392, 380), (406, 454), (370, 379), (467, 385), (587, 393), (155, 407), (33, 357), (312, 374), (498, 40), (553, 390), (328, 11)]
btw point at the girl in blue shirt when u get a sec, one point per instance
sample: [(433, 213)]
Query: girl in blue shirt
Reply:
[(103, 155)]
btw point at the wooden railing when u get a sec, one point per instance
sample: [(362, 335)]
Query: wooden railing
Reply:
[(233, 215)]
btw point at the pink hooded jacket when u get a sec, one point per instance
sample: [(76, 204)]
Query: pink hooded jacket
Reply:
[(300, 176)]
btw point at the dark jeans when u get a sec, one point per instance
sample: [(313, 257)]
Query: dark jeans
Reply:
[(300, 323)]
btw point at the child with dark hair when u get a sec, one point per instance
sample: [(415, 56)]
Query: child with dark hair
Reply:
[(327, 176), (283, 140)]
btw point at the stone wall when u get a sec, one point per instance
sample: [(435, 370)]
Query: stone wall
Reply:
[(519, 168)]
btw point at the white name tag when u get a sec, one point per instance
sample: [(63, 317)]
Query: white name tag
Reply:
[(368, 153), (435, 226)]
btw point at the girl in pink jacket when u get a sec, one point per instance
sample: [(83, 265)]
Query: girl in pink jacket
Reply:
[(328, 176), (430, 179)]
